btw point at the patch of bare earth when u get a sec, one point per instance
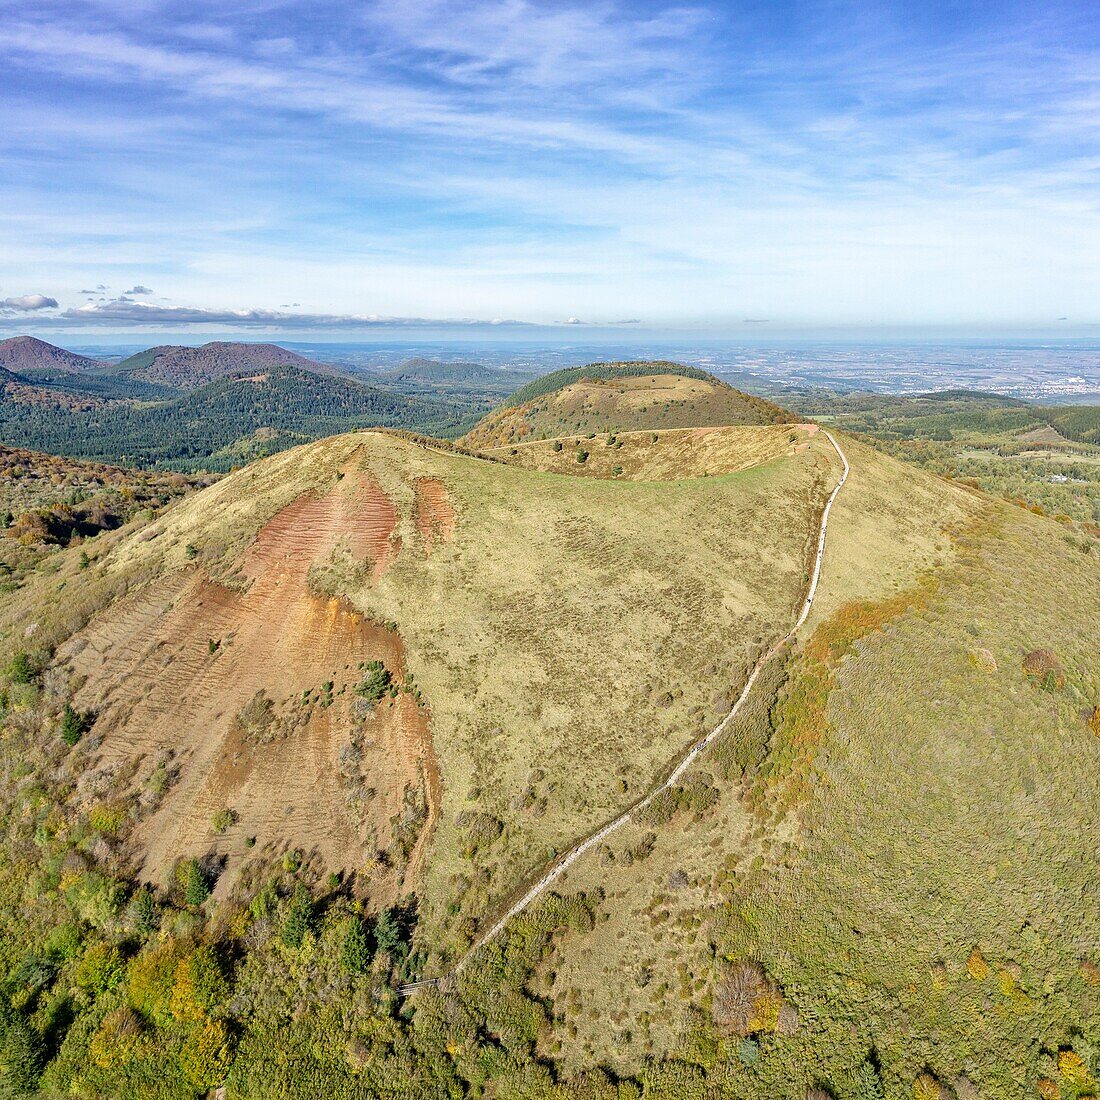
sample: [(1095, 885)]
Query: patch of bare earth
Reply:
[(435, 515), (175, 674)]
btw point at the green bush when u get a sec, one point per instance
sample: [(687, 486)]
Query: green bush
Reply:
[(355, 951), (22, 668), (199, 985), (376, 683), (72, 725), (100, 968), (192, 879), (299, 917), (206, 1055)]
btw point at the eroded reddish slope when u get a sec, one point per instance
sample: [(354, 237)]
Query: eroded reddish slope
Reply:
[(248, 699)]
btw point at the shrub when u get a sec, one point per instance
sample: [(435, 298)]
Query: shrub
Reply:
[(355, 952), (1072, 1067), (983, 659), (928, 1087), (199, 985), (95, 898), (557, 445), (746, 1000), (582, 456), (72, 725), (22, 668), (299, 917), (204, 1058), (976, 966), (64, 942), (257, 717), (117, 1039), (223, 820), (107, 819), (748, 1050), (151, 978), (1044, 669), (376, 683), (100, 968), (192, 880)]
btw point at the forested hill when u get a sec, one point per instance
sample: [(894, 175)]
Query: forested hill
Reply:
[(186, 431), (186, 367), (431, 372)]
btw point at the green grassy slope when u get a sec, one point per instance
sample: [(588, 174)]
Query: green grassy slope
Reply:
[(900, 841)]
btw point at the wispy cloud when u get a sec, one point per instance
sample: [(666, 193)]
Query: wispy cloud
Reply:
[(125, 310), (503, 157)]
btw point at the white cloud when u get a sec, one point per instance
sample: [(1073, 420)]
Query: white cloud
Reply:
[(28, 303)]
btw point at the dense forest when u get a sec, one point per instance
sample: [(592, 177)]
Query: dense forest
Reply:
[(285, 404)]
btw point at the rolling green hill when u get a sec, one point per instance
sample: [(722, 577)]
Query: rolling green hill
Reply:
[(557, 380), (431, 375)]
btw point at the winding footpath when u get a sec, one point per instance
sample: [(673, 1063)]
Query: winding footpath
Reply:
[(579, 849)]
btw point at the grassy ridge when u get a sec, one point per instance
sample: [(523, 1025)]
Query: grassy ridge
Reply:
[(1040, 456)]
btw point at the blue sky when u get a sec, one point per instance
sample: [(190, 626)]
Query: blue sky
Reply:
[(325, 167)]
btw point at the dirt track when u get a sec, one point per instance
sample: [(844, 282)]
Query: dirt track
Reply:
[(597, 837)]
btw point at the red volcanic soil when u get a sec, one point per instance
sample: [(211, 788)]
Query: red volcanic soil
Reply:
[(173, 672)]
